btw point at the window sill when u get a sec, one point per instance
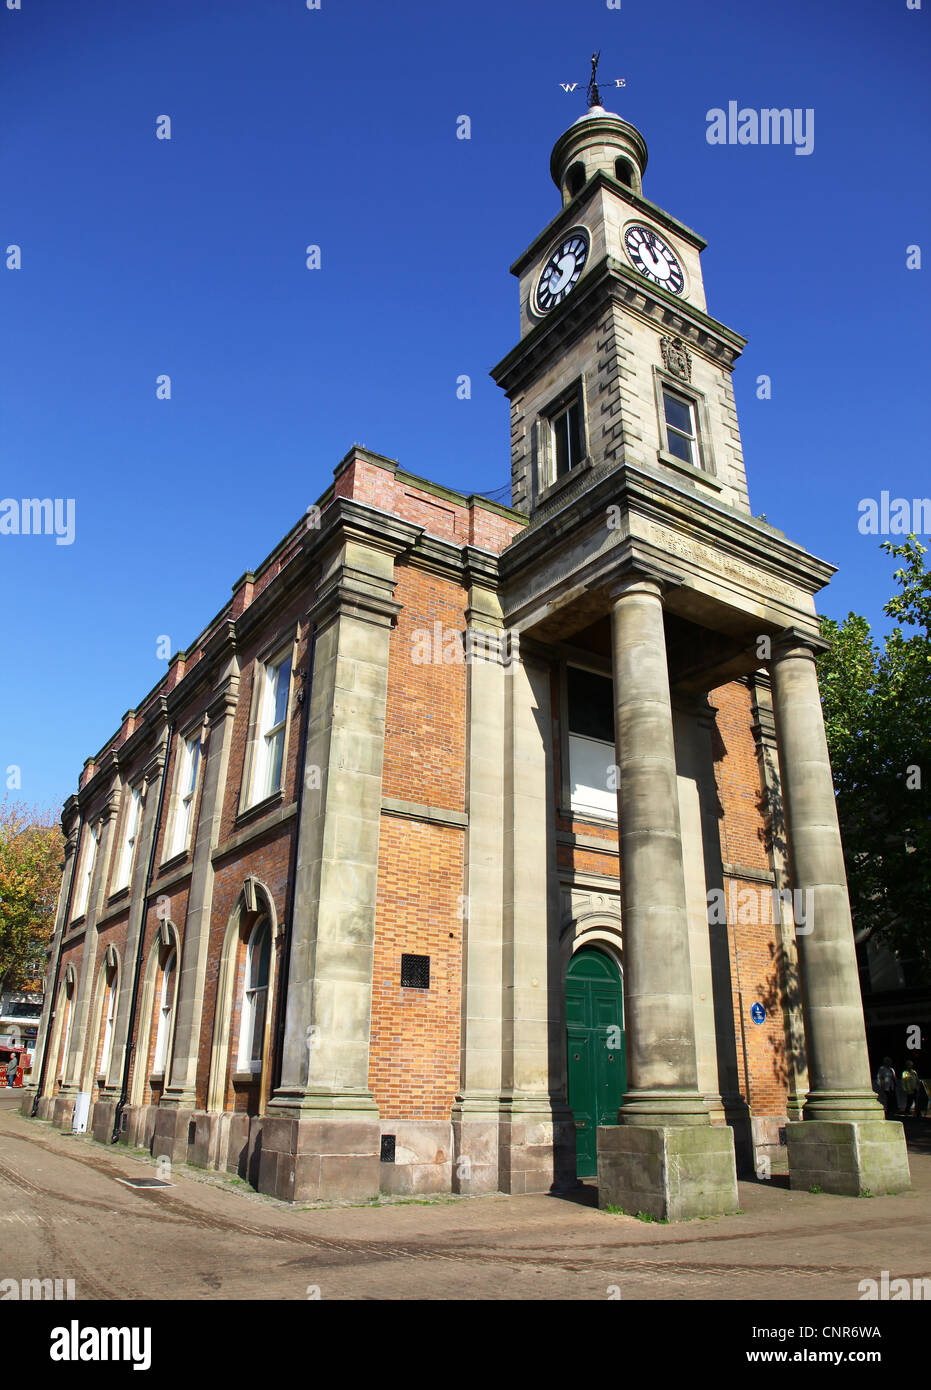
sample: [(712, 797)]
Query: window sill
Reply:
[(157, 1079), (587, 817), (553, 489), (118, 894), (246, 1078), (697, 475), (260, 808), (174, 862)]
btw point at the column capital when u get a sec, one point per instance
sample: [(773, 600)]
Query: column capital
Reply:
[(637, 582), (800, 642)]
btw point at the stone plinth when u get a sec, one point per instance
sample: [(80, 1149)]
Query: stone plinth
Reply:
[(312, 1160), (672, 1173), (848, 1157)]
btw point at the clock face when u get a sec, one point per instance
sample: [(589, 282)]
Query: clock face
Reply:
[(654, 259), (563, 268)]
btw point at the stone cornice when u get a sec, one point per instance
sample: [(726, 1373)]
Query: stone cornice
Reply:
[(107, 768), (649, 495), (610, 281)]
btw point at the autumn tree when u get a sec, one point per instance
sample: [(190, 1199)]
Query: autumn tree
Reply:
[(877, 711), (31, 852)]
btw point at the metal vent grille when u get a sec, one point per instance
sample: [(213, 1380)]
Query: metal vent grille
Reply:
[(387, 1148), (415, 972), (145, 1182)]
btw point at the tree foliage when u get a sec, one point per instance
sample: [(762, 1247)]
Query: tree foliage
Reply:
[(877, 711), (31, 851)]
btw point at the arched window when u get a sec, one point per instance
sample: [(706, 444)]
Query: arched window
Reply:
[(623, 172), (109, 1017), (66, 1038), (255, 997), (166, 1005), (575, 179)]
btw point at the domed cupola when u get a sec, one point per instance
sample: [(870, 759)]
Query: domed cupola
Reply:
[(598, 140)]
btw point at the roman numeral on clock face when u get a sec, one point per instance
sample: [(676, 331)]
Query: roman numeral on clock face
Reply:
[(561, 271), (654, 259)]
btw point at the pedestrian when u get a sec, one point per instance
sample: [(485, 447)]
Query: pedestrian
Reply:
[(12, 1067), (921, 1099), (910, 1084), (885, 1085)]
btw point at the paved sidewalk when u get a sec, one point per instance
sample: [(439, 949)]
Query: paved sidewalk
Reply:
[(65, 1214)]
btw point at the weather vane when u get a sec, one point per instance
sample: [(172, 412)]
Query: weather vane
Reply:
[(594, 95)]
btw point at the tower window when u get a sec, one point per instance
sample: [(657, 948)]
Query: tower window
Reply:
[(623, 172), (681, 435), (575, 179), (567, 439)]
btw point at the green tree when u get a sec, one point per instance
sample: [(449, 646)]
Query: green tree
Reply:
[(30, 874), (877, 712)]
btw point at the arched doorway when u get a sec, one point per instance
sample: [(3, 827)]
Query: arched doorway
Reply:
[(597, 1063)]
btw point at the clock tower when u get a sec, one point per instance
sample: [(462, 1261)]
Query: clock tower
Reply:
[(651, 607), (618, 359)]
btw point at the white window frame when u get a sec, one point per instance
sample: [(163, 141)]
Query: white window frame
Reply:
[(88, 861), (571, 438), (130, 840), (166, 1008), (250, 993), (66, 1039), (266, 731), (694, 461), (109, 1020), (184, 808)]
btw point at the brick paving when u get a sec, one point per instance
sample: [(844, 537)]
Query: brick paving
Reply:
[(64, 1214)]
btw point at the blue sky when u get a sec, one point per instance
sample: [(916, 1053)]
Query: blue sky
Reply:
[(337, 127)]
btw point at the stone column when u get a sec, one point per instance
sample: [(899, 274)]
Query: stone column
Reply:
[(105, 1108), (843, 1144), (322, 1138), (179, 1099), (46, 1021), (475, 1112), (73, 1064), (664, 1156), (537, 1133)]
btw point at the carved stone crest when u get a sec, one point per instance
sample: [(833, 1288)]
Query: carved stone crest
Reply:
[(676, 357)]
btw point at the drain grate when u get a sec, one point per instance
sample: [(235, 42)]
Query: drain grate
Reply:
[(145, 1182)]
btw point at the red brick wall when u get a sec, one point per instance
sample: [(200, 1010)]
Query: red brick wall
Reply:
[(414, 1062), (425, 735), (756, 963)]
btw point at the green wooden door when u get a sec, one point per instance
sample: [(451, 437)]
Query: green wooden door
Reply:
[(597, 1068)]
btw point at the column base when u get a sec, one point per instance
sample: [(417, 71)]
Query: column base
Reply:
[(536, 1147), (851, 1106), (102, 1123), (673, 1173), (337, 1158), (475, 1148), (664, 1109), (848, 1158), (26, 1102)]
